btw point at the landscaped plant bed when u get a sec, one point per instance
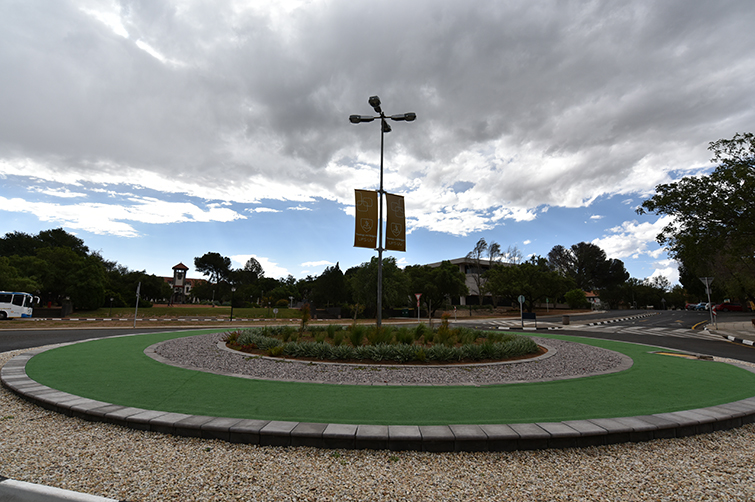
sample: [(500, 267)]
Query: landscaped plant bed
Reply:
[(387, 345)]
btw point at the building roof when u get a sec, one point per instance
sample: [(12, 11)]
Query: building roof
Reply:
[(181, 266)]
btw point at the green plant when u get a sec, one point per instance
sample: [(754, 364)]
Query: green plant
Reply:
[(381, 335), (331, 330), (287, 332), (356, 335), (276, 351), (338, 338), (419, 331), (231, 337), (305, 316), (404, 336)]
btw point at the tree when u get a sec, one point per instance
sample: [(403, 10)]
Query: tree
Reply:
[(330, 287), (22, 244), (363, 284), (534, 279), (249, 274), (12, 280), (588, 265), (476, 256), (437, 284), (576, 299), (512, 255), (711, 232), (213, 264), (87, 285)]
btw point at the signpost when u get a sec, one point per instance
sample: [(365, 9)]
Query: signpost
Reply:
[(418, 295), (136, 309), (707, 281), (521, 303)]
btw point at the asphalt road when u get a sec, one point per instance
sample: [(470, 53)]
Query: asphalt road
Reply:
[(27, 338), (667, 329), (670, 329)]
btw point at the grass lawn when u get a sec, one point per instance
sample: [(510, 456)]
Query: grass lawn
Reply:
[(186, 310), (116, 370)]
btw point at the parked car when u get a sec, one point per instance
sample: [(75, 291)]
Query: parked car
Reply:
[(702, 306), (690, 306), (728, 307)]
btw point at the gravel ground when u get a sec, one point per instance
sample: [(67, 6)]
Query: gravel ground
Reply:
[(564, 360), (103, 459)]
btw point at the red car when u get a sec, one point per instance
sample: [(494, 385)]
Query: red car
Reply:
[(728, 307)]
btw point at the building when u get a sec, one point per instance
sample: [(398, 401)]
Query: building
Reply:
[(473, 271), (180, 284)]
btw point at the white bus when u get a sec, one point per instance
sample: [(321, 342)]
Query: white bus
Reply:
[(14, 304)]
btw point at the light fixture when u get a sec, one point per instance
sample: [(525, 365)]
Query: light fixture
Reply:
[(374, 102)]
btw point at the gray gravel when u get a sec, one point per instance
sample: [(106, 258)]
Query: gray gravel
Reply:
[(564, 360), (40, 446)]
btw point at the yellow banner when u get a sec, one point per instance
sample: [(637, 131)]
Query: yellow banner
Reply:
[(365, 235), (395, 225)]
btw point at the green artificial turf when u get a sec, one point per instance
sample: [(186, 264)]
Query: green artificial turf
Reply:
[(116, 370)]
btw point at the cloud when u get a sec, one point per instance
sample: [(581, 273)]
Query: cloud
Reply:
[(270, 268), (117, 219), (518, 107), (632, 239), (596, 217), (262, 210), (526, 242), (63, 193), (317, 263), (668, 269)]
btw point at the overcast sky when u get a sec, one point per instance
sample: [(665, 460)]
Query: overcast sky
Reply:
[(157, 131)]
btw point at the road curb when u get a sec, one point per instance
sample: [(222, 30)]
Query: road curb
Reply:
[(21, 491), (447, 438)]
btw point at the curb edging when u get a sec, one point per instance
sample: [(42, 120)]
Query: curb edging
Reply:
[(21, 491), (433, 438)]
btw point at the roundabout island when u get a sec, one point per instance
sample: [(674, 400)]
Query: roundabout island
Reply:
[(582, 392)]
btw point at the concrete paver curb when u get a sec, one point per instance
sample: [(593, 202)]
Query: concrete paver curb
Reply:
[(21, 491), (457, 437)]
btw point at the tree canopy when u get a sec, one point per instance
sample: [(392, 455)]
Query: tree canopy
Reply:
[(213, 264), (533, 279), (437, 284), (712, 231), (588, 266)]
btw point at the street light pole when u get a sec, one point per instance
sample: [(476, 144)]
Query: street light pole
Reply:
[(233, 290), (374, 101)]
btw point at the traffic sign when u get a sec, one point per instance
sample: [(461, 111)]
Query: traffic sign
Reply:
[(521, 298)]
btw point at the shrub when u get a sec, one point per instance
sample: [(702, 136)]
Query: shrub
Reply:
[(231, 337), (338, 338), (419, 331), (495, 346), (404, 336), (356, 335), (382, 335), (466, 335), (332, 329)]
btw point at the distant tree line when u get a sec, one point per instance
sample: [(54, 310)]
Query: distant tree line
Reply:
[(564, 276), (57, 266)]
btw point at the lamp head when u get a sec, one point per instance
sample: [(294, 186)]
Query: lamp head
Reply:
[(355, 119), (374, 102), (405, 116)]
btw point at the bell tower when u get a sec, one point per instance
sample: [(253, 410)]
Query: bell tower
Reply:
[(179, 283)]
